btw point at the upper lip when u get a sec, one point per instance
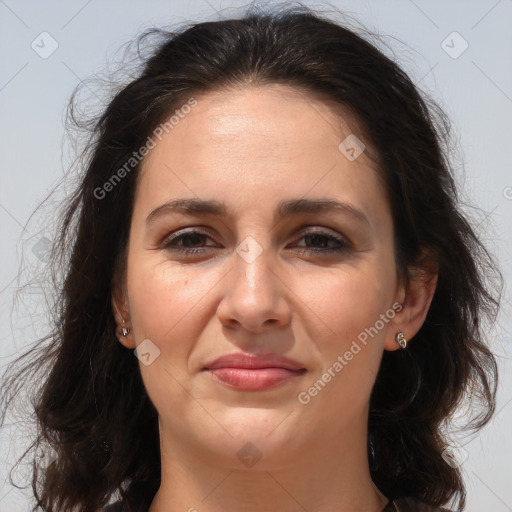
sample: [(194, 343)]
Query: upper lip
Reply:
[(254, 361)]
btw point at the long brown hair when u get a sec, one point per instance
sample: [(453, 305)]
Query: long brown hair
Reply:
[(92, 409)]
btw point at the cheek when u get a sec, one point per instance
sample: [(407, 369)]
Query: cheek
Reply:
[(161, 303), (164, 308), (348, 300), (349, 303)]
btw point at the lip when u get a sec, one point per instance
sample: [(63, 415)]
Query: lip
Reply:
[(254, 373)]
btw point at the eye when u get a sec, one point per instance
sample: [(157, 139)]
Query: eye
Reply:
[(323, 239), (192, 242)]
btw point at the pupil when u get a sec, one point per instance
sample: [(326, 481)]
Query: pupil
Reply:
[(194, 236), (322, 240)]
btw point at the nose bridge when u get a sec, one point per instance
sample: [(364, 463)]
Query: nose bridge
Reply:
[(253, 261), (254, 256), (255, 296)]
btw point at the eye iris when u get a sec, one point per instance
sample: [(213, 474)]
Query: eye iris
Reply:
[(197, 237), (321, 239)]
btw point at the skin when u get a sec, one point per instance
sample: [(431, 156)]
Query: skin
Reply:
[(252, 148)]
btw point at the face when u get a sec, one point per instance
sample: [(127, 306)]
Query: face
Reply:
[(252, 264)]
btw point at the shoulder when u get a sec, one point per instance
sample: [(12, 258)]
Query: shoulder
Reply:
[(411, 505)]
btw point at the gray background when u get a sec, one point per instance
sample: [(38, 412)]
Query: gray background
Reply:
[(475, 88)]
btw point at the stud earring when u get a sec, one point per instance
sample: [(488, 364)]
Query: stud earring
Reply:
[(400, 339), (124, 330)]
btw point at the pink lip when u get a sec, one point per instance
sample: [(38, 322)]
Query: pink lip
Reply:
[(254, 373)]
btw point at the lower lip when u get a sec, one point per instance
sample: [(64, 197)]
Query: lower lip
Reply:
[(255, 379)]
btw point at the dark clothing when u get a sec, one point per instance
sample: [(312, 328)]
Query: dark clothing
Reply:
[(398, 505)]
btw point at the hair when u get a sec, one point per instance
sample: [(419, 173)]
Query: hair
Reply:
[(91, 407)]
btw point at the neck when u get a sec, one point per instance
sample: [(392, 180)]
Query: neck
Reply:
[(327, 476)]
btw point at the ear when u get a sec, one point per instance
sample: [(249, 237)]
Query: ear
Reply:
[(122, 316), (415, 296)]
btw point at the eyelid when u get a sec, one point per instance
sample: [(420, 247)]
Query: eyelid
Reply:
[(312, 229)]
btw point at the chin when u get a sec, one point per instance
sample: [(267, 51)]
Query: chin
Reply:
[(255, 452), (267, 439)]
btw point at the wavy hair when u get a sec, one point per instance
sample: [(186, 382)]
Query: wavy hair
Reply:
[(92, 410)]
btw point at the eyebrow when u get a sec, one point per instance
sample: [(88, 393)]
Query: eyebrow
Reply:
[(196, 206)]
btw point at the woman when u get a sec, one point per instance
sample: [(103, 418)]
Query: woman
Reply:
[(268, 221)]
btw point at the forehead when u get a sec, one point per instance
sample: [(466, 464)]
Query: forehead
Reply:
[(237, 143), (272, 119)]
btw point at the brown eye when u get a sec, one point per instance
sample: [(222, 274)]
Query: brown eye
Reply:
[(190, 242), (324, 242)]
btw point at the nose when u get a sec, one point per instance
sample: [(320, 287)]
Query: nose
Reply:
[(256, 296)]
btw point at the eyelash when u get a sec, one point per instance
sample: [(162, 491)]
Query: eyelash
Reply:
[(169, 242)]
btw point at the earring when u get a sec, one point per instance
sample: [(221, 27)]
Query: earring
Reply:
[(124, 330), (400, 339)]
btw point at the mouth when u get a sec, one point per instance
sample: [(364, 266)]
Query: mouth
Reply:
[(254, 379), (254, 373)]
